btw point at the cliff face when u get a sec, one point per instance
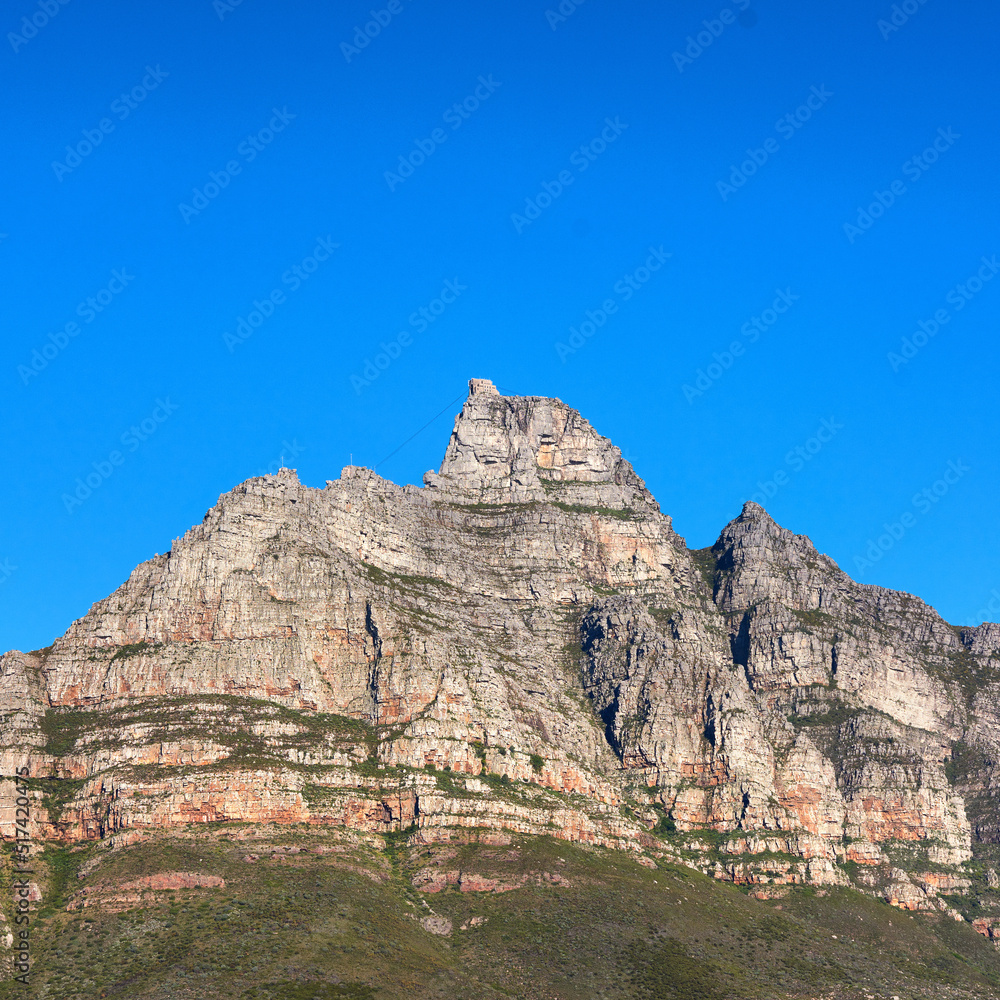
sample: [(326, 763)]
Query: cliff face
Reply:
[(523, 644)]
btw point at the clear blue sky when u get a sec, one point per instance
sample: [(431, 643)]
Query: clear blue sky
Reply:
[(213, 148)]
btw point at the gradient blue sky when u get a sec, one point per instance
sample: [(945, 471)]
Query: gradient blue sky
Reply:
[(219, 74)]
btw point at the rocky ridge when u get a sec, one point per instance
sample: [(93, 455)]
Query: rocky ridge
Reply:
[(522, 645)]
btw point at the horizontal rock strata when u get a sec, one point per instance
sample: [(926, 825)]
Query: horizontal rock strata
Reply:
[(523, 645)]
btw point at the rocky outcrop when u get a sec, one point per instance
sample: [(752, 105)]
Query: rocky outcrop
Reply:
[(516, 450), (523, 645), (140, 891)]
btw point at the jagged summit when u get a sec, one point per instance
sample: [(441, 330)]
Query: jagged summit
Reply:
[(752, 511), (514, 449), (754, 529)]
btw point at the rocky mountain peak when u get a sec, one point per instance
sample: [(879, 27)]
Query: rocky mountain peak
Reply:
[(762, 561), (524, 645), (754, 512), (518, 449), (754, 536)]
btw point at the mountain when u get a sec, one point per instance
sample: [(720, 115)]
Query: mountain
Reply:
[(523, 646)]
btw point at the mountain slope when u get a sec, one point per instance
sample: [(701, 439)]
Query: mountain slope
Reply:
[(291, 914), (522, 646)]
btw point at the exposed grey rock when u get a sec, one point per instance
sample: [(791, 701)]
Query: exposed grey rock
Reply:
[(530, 621)]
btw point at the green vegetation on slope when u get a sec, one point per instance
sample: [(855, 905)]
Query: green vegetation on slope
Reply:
[(231, 720), (560, 922)]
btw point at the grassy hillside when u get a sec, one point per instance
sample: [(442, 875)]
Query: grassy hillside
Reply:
[(580, 923)]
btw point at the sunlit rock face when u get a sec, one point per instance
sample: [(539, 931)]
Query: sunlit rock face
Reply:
[(524, 644)]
